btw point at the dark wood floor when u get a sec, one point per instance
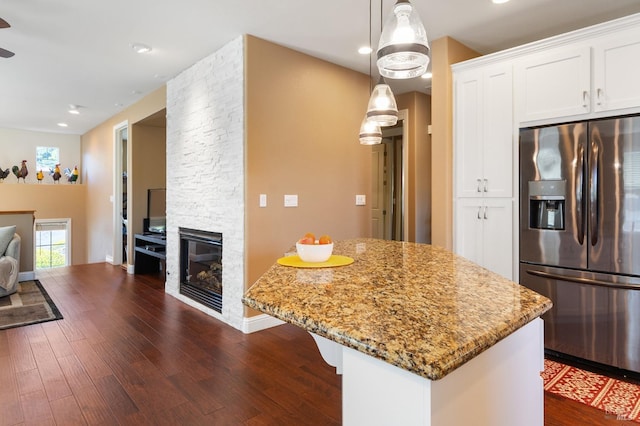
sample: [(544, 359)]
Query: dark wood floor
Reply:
[(126, 353)]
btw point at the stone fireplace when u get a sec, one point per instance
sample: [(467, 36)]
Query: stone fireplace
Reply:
[(205, 184), (201, 267)]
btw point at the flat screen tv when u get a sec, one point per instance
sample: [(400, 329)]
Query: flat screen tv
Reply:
[(157, 210)]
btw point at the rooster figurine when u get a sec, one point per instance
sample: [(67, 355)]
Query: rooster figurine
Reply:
[(21, 172), (39, 175), (72, 176), (55, 174), (3, 174)]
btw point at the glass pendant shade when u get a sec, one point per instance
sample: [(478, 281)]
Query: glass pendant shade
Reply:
[(370, 132), (382, 106), (403, 50)]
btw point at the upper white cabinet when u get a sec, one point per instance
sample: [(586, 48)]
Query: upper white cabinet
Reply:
[(554, 83), (616, 84), (588, 78), (483, 132)]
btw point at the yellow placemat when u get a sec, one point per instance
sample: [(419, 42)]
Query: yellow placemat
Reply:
[(334, 260)]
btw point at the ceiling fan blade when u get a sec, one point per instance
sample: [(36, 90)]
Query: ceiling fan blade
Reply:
[(5, 53), (4, 24)]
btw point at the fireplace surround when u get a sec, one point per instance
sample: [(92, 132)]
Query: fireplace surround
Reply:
[(201, 267)]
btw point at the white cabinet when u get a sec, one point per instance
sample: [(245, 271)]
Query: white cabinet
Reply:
[(484, 233), (554, 83), (615, 71), (586, 79), (483, 132)]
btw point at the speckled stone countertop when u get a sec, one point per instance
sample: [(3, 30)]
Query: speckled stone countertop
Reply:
[(416, 306)]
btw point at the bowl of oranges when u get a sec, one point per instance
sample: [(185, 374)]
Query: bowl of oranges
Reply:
[(314, 250)]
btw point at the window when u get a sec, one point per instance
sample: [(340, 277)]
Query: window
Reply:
[(53, 237), (47, 158)]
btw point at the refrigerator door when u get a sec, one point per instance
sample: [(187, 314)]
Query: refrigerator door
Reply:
[(594, 316), (614, 195), (552, 195)]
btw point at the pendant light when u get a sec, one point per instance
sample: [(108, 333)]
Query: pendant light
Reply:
[(382, 107), (370, 132), (403, 50)]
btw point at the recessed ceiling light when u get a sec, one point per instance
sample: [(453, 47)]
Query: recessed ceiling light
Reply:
[(141, 48), (365, 50), (63, 125), (499, 1), (73, 109)]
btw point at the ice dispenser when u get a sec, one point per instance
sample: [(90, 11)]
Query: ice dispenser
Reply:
[(546, 204)]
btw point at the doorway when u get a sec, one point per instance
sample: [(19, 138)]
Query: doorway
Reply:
[(120, 198), (389, 199)]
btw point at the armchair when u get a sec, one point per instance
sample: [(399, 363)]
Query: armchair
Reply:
[(9, 267)]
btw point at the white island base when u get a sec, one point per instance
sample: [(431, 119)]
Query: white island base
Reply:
[(500, 386)]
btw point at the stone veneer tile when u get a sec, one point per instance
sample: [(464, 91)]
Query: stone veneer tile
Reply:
[(205, 168)]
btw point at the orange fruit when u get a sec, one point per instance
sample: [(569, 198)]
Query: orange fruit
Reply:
[(325, 239)]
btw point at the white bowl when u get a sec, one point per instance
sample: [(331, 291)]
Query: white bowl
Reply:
[(314, 252)]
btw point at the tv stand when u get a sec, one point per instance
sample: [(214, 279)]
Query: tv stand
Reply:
[(150, 253)]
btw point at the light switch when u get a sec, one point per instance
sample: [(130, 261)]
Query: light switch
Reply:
[(263, 200), (361, 200), (291, 200)]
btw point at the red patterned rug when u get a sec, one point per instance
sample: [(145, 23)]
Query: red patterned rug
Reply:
[(616, 397)]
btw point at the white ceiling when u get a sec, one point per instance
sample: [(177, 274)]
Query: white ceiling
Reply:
[(78, 52)]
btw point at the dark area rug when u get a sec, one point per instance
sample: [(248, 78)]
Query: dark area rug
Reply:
[(29, 305)]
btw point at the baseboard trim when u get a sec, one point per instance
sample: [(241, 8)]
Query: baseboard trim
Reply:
[(26, 276), (109, 259), (259, 322)]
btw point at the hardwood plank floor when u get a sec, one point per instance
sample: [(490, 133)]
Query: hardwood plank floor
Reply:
[(127, 353)]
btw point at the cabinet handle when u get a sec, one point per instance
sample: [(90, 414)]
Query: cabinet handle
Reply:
[(486, 185), (478, 185), (485, 213), (479, 209), (585, 98), (599, 96)]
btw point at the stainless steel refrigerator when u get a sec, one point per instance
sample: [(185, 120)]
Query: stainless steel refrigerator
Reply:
[(580, 235)]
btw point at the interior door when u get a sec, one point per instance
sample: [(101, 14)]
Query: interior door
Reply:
[(377, 191)]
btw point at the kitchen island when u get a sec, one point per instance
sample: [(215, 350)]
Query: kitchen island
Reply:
[(420, 335)]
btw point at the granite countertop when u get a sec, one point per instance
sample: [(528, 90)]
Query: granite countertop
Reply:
[(416, 306)]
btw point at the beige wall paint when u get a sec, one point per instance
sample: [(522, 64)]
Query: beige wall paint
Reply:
[(302, 121), (60, 201), (148, 167), (445, 51), (418, 106), (98, 173)]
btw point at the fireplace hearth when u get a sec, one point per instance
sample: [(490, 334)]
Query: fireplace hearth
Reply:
[(201, 267)]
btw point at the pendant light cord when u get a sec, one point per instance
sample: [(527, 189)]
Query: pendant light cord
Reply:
[(370, 46)]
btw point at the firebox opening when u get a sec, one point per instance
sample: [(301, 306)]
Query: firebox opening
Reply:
[(201, 267)]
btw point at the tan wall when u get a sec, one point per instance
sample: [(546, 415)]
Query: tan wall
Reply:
[(445, 51), (418, 187), (302, 121), (148, 168), (58, 201), (98, 173)]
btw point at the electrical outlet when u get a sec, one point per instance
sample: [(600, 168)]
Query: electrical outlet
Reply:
[(263, 200), (361, 200), (291, 200)]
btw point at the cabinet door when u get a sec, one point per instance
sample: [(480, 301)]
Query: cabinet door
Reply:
[(616, 65), (468, 134), (554, 84), (497, 238), (468, 229), (498, 138)]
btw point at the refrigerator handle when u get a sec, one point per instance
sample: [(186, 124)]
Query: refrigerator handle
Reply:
[(594, 161), (580, 200), (580, 280)]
